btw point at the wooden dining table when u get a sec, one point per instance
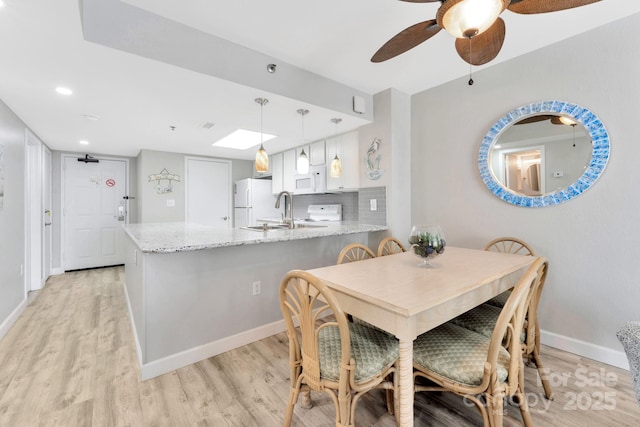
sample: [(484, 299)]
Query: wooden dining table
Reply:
[(398, 294)]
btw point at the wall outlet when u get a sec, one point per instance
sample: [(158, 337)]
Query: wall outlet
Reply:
[(558, 174), (256, 288), (171, 203), (373, 204)]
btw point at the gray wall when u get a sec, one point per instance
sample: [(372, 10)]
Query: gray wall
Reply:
[(12, 214), (591, 241), (392, 126), (151, 206)]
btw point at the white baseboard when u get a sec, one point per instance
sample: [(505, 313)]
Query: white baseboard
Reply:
[(582, 348), (9, 321), (196, 354), (133, 325), (57, 271)]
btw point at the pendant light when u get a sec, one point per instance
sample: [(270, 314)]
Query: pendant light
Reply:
[(303, 159), (262, 158), (336, 164)]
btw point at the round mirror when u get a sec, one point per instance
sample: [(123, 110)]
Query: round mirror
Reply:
[(543, 154)]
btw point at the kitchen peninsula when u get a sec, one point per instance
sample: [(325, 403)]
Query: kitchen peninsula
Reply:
[(196, 291)]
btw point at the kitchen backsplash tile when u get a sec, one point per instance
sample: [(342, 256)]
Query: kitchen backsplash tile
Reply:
[(365, 214), (348, 200), (355, 205)]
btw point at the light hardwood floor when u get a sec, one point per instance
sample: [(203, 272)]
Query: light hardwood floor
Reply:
[(70, 361)]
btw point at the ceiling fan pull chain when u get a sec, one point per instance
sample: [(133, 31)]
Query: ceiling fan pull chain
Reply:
[(470, 79)]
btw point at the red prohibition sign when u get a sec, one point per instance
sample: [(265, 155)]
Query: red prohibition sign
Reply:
[(110, 182)]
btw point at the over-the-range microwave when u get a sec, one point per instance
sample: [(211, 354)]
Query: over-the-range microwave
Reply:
[(313, 182)]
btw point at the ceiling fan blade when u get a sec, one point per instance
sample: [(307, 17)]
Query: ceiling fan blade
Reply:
[(543, 6), (406, 39), (484, 47)]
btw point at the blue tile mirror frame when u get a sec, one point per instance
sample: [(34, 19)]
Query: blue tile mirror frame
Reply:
[(557, 110)]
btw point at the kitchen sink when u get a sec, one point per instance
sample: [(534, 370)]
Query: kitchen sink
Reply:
[(267, 227), (307, 225)]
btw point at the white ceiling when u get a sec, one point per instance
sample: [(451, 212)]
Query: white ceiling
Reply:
[(137, 99)]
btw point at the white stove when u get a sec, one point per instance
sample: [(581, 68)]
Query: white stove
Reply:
[(325, 212)]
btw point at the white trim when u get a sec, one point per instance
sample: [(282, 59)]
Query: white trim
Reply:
[(133, 325), (57, 271), (196, 354), (585, 349), (9, 321)]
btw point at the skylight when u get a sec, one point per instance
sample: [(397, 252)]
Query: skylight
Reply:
[(242, 139)]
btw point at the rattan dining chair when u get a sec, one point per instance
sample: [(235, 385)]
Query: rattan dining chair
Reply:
[(482, 319), (469, 364), (389, 246), (509, 245), (338, 357), (355, 252)]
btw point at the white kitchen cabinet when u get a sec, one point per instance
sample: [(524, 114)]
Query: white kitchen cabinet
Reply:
[(347, 150), (317, 153), (277, 175), (289, 170)]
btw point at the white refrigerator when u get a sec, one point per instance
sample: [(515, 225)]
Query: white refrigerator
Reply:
[(254, 200)]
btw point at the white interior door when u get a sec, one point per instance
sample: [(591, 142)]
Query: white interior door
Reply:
[(46, 202), (208, 192), (33, 220), (94, 212)]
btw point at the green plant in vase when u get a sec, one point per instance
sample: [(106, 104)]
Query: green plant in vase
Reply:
[(427, 241)]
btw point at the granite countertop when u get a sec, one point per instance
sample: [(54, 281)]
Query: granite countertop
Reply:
[(181, 237)]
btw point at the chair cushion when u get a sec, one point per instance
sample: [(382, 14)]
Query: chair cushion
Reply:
[(373, 351), (500, 300), (457, 353), (482, 319)]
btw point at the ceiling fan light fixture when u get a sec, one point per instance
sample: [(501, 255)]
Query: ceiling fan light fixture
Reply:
[(468, 18), (567, 121)]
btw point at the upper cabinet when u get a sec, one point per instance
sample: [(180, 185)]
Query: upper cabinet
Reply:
[(317, 153), (275, 164), (289, 170), (347, 149), (284, 165)]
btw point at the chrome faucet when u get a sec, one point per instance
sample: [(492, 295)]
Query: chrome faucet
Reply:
[(290, 219)]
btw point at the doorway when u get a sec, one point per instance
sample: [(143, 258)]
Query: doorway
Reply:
[(208, 192), (94, 210), (34, 228)]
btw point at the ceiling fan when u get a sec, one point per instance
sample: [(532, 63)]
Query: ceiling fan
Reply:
[(476, 24)]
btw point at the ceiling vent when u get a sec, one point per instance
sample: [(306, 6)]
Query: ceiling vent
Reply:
[(207, 125)]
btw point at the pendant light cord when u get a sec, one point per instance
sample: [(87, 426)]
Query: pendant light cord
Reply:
[(470, 60)]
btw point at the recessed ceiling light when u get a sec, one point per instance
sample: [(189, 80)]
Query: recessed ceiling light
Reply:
[(64, 90), (84, 142), (242, 139)]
